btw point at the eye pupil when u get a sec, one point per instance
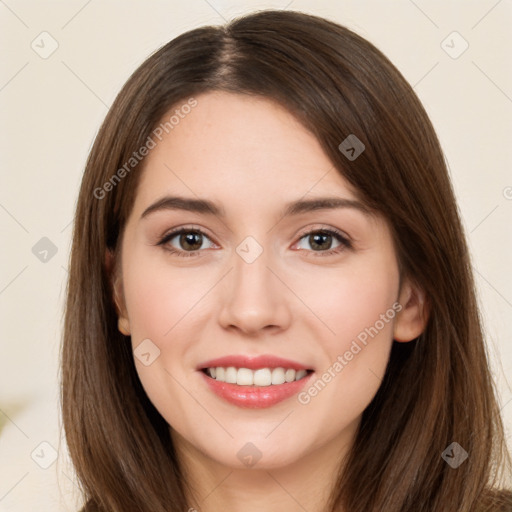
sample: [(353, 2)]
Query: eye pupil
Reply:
[(191, 240), (317, 239)]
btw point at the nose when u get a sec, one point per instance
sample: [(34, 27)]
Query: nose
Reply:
[(253, 298)]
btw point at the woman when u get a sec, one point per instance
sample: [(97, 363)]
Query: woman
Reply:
[(270, 302)]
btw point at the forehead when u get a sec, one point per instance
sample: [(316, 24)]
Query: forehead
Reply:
[(238, 146)]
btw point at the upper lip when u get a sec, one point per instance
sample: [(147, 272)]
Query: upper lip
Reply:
[(253, 363)]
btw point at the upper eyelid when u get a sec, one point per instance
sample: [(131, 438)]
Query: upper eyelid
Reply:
[(177, 231), (325, 228)]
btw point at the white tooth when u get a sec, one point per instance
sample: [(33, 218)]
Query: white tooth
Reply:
[(263, 377), (300, 374), (260, 377), (289, 375), (230, 377), (244, 377), (278, 376)]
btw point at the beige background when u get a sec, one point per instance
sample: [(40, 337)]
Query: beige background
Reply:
[(52, 108)]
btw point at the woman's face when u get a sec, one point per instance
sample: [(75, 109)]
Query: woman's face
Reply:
[(269, 273)]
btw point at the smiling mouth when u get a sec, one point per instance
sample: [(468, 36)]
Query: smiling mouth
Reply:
[(262, 377)]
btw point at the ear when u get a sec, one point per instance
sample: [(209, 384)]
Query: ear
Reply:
[(114, 273), (412, 319)]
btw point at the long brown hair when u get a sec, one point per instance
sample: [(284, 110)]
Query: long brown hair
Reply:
[(437, 389)]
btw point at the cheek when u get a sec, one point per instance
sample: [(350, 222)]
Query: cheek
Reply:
[(357, 307), (166, 306), (348, 301), (158, 298), (169, 306)]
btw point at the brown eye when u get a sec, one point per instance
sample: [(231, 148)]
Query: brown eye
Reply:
[(191, 240), (320, 241), (185, 242)]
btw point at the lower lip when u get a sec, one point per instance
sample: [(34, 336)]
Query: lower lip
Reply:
[(255, 397)]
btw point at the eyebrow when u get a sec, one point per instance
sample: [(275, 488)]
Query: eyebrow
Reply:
[(204, 206)]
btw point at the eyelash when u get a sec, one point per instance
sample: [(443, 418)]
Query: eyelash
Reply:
[(345, 243)]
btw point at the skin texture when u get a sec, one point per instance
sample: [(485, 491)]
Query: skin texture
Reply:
[(251, 157)]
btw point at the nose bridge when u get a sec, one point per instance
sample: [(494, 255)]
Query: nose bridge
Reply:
[(251, 274), (254, 297)]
